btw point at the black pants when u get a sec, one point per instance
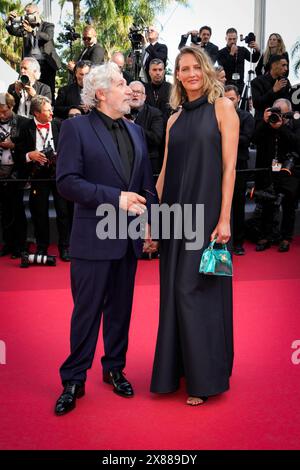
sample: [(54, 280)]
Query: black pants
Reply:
[(13, 218), (288, 187), (39, 207), (238, 205), (100, 287), (48, 77)]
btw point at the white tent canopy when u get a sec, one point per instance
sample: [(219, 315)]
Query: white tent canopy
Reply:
[(7, 76)]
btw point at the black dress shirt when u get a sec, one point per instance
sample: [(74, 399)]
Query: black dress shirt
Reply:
[(122, 140)]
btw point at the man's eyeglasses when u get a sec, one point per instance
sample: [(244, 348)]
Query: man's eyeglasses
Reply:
[(85, 38), (137, 92)]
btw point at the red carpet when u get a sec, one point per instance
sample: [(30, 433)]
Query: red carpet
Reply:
[(261, 411)]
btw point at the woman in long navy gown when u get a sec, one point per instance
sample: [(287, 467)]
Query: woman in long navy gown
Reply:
[(195, 337)]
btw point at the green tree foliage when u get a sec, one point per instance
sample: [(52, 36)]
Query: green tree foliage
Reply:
[(10, 46)]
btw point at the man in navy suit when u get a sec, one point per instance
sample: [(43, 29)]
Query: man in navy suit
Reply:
[(102, 159)]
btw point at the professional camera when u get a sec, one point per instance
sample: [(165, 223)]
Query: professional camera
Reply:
[(250, 38), (195, 39), (51, 156), (28, 259), (24, 80), (136, 37), (70, 35), (17, 21), (267, 195), (276, 115), (4, 135)]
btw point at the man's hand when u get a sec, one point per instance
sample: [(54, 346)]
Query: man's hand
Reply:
[(7, 144), (18, 87), (37, 156), (27, 26), (234, 49), (71, 65), (149, 246), (254, 45), (30, 90), (12, 15), (132, 202), (279, 85)]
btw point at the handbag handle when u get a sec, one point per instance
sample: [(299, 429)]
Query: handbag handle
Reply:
[(211, 245)]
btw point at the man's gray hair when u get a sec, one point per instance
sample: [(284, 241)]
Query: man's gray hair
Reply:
[(34, 66), (99, 77), (37, 103), (137, 82), (285, 101)]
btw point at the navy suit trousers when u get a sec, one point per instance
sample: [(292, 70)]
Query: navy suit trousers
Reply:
[(100, 287)]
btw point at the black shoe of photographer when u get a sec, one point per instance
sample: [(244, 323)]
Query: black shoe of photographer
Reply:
[(263, 245), (67, 400), (284, 246), (239, 250), (64, 254)]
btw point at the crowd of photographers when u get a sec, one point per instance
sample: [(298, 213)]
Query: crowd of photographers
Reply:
[(31, 113)]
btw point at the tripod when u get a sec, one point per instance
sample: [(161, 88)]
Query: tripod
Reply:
[(246, 96), (137, 63)]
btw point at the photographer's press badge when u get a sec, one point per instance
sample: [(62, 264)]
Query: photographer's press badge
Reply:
[(276, 166), (236, 76)]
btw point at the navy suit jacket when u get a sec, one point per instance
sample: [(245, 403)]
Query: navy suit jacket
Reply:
[(90, 173)]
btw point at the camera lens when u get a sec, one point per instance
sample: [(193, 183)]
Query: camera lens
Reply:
[(274, 118), (24, 79)]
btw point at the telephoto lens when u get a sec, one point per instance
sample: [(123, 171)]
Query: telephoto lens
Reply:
[(31, 259)]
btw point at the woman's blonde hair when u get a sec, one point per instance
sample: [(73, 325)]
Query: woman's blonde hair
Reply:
[(280, 48), (211, 87)]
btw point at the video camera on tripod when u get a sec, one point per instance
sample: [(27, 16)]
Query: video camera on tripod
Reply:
[(136, 37), (69, 35)]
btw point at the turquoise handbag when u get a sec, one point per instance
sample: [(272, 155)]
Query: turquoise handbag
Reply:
[(216, 262)]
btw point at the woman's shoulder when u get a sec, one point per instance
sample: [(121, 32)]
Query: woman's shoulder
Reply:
[(173, 118), (224, 103)]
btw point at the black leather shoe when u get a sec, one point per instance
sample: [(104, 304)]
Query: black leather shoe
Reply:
[(67, 400), (64, 254), (121, 385), (239, 250), (284, 246), (263, 245)]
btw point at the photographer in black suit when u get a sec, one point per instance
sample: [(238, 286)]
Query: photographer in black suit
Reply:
[(37, 147), (271, 86), (13, 218), (232, 58), (70, 96), (37, 41), (201, 38), (92, 51), (278, 147), (158, 90), (151, 120)]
